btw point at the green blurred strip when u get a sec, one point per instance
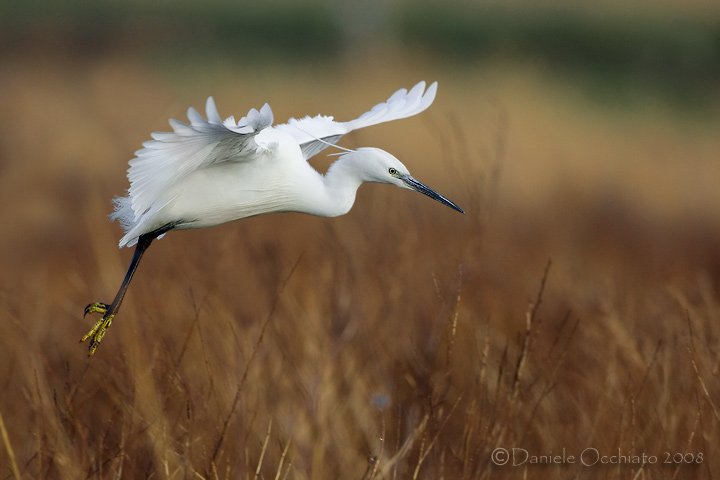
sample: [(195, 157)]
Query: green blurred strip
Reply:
[(683, 52)]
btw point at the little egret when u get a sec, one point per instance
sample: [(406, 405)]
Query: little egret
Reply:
[(213, 171)]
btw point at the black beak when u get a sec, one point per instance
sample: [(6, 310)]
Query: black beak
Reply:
[(419, 187)]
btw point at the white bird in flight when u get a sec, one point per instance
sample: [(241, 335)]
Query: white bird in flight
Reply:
[(213, 171)]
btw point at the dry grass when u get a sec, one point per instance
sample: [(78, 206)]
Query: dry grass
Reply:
[(400, 341)]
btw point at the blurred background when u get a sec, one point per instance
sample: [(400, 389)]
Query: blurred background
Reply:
[(581, 133), (614, 103)]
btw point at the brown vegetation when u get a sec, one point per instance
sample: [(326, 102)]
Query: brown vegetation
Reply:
[(576, 306)]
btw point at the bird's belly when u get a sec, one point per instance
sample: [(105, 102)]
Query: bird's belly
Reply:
[(218, 195)]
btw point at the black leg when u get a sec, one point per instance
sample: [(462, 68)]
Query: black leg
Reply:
[(109, 311)]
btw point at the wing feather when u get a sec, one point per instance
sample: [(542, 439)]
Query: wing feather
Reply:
[(314, 133), (170, 156)]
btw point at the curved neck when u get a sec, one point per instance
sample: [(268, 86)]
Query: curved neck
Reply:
[(341, 182)]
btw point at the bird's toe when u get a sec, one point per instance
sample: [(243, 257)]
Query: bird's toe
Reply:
[(96, 307), (97, 332)]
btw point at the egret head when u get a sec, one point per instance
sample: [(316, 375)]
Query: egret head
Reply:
[(382, 167)]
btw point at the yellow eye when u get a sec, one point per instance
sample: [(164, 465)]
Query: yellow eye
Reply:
[(392, 171)]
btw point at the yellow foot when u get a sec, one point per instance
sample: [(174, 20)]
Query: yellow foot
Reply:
[(97, 307), (97, 332)]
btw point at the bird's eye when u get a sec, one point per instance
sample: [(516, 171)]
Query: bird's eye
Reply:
[(392, 171)]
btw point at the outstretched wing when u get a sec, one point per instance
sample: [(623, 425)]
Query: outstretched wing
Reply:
[(170, 156), (315, 133)]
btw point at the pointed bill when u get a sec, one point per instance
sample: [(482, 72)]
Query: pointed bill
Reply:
[(413, 184)]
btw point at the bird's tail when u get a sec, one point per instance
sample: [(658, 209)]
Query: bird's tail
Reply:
[(123, 213)]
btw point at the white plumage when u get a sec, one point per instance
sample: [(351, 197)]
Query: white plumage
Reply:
[(212, 171)]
